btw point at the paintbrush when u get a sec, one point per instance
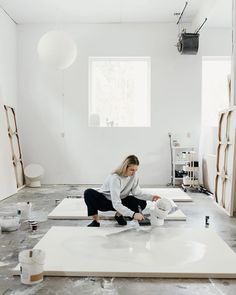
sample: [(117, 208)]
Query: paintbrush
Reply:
[(145, 221)]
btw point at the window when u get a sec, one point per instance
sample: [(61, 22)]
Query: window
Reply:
[(216, 71), (119, 91)]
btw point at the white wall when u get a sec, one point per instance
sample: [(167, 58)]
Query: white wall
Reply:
[(214, 42), (87, 155), (8, 94)]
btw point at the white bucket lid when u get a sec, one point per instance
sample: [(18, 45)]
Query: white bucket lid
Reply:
[(31, 256), (33, 170), (21, 205), (162, 208)]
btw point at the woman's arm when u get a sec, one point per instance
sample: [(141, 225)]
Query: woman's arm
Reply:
[(137, 192), (115, 188)]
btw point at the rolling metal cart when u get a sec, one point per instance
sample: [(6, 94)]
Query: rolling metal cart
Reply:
[(179, 161), (191, 167)]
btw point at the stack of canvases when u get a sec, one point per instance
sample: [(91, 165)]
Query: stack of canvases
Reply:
[(225, 182), (15, 146)]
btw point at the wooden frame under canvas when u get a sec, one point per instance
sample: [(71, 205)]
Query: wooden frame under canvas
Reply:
[(15, 146), (226, 161)]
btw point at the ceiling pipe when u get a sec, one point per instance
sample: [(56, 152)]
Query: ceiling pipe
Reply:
[(8, 15), (203, 13)]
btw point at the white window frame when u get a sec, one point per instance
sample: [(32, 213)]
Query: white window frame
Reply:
[(121, 58), (205, 59)]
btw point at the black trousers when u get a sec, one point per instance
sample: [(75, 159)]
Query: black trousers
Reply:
[(97, 201)]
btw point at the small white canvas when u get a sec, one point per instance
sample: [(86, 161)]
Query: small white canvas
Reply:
[(136, 252), (175, 194), (75, 208)]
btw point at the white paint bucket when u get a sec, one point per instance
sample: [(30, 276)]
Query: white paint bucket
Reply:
[(31, 266), (155, 221)]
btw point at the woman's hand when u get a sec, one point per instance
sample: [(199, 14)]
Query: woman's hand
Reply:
[(138, 216), (155, 198)]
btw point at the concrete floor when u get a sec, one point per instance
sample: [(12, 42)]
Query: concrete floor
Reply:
[(43, 201)]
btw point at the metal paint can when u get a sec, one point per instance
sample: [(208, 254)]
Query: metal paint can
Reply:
[(207, 221), (34, 225), (57, 201)]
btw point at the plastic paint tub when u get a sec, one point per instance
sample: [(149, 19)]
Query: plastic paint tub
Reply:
[(155, 221), (23, 207), (31, 266), (9, 223)]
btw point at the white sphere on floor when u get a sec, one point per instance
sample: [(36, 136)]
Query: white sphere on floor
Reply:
[(33, 172)]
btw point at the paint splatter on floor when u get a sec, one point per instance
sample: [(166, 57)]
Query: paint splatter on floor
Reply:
[(3, 263)]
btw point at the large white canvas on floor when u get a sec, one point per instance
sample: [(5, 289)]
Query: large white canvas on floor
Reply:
[(75, 208), (149, 252)]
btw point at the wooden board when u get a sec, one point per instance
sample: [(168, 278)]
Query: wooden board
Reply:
[(225, 187), (15, 146)]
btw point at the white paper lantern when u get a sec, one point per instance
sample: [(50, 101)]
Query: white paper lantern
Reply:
[(57, 50)]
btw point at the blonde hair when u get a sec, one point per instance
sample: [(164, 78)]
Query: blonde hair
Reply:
[(130, 160)]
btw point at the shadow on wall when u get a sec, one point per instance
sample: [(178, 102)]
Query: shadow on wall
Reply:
[(209, 171)]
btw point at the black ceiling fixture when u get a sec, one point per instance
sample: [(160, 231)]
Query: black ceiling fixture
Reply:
[(188, 43)]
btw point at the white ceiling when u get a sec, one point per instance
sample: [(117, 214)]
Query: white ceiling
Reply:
[(117, 11)]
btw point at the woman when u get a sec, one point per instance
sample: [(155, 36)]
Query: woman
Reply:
[(120, 192)]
